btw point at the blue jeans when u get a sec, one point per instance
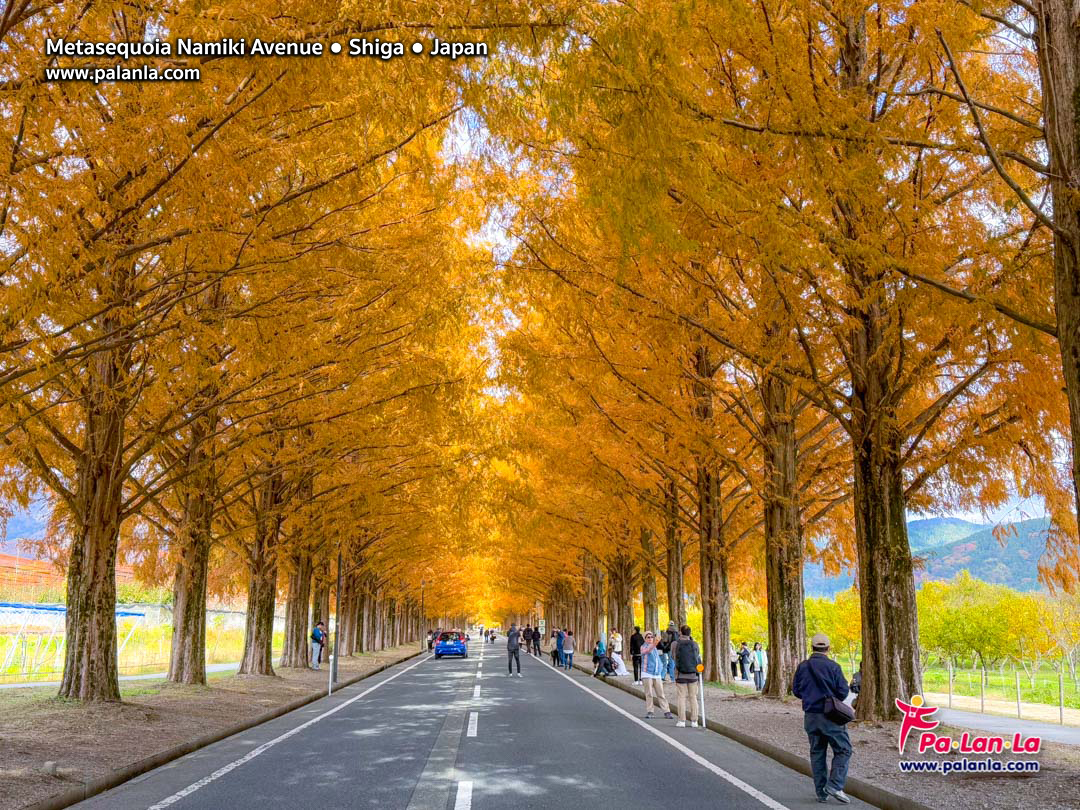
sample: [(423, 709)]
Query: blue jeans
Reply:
[(568, 660), (668, 666), (824, 733)]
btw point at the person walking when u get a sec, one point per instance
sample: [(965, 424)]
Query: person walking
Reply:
[(671, 635), (820, 684), (636, 642), (734, 656), (560, 641), (759, 662), (568, 646), (536, 641), (653, 676), (318, 641), (744, 660), (513, 650), (687, 657), (526, 636)]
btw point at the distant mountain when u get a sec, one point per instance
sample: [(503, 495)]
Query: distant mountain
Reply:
[(927, 533), (949, 545), (23, 525), (1014, 563)]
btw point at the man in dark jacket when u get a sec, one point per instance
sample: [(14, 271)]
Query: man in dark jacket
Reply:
[(513, 650), (636, 642), (667, 642), (526, 636), (536, 641), (817, 679), (744, 660), (687, 657)]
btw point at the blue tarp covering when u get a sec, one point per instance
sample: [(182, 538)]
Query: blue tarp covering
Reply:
[(54, 608)]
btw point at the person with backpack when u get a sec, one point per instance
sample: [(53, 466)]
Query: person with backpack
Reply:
[(526, 636), (318, 640), (671, 635), (653, 676), (513, 650), (536, 641), (687, 657), (820, 684), (636, 642)]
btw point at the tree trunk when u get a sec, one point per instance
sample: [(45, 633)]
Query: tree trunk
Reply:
[(1057, 38), (715, 596), (783, 539), (296, 651), (262, 590), (187, 659), (621, 579), (676, 568), (890, 627), (650, 599), (90, 658)]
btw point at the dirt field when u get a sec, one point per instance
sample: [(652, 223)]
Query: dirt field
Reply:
[(86, 742)]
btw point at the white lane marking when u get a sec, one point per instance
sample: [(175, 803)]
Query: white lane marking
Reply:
[(479, 674), (480, 665), (474, 718), (254, 752), (464, 796), (768, 801), (476, 692)]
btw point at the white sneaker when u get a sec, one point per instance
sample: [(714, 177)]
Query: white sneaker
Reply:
[(680, 724), (519, 674)]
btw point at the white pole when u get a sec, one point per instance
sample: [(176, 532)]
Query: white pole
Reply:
[(701, 696)]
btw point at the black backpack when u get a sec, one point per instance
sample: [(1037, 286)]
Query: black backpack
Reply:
[(686, 655)]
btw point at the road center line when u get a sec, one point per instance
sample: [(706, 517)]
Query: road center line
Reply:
[(474, 718), (266, 746), (464, 796), (476, 692), (749, 789)]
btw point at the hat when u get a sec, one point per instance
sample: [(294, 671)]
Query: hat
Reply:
[(820, 641), (671, 624)]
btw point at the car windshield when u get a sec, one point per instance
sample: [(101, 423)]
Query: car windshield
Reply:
[(448, 637)]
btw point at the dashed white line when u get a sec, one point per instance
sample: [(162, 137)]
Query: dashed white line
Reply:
[(768, 801), (254, 752), (476, 692), (464, 796), (474, 718)]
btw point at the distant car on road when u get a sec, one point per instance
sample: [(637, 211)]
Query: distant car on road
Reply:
[(451, 642)]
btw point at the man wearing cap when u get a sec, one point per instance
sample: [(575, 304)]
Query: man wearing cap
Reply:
[(816, 679)]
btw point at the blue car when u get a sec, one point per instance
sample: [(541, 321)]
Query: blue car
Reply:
[(451, 643)]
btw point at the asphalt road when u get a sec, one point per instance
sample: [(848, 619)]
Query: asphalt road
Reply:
[(458, 734)]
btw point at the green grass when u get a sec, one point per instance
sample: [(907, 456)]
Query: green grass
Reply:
[(145, 649)]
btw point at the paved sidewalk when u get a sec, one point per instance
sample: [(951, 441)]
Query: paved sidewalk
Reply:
[(1006, 726)]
